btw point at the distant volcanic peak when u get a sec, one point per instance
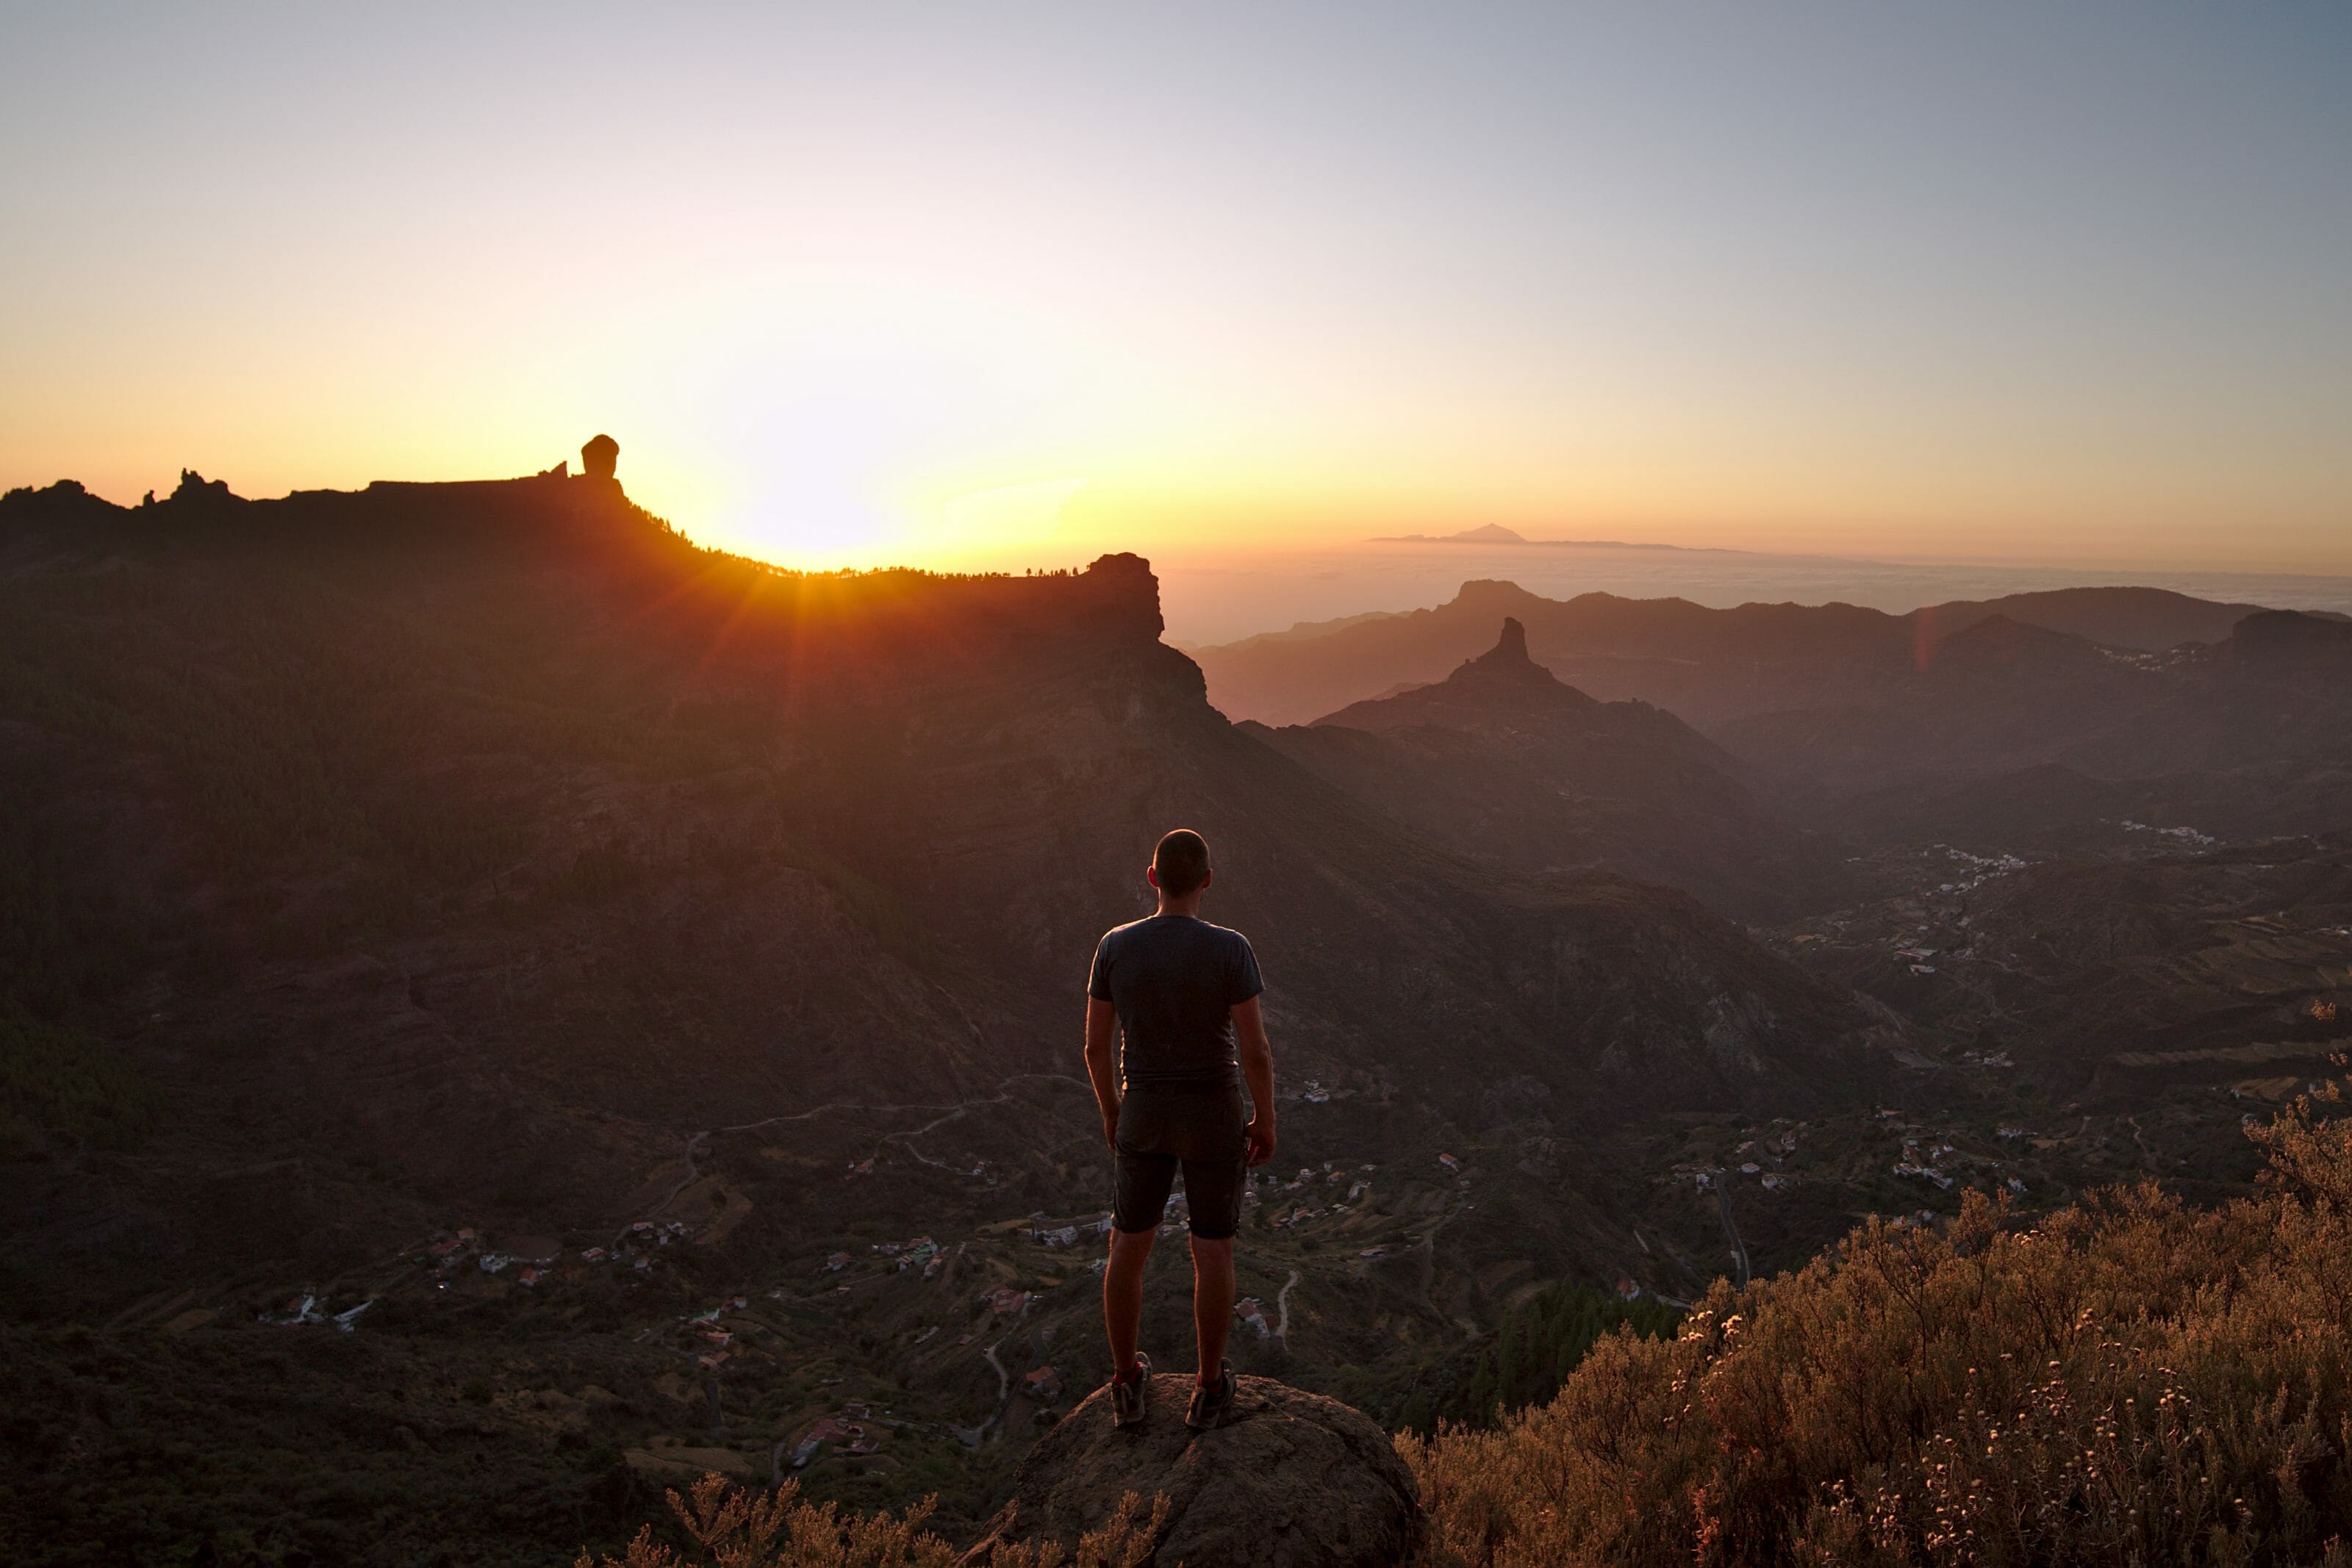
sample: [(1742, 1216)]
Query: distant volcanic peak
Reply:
[(1488, 534)]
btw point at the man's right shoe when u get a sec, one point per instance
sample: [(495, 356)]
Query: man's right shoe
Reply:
[(1126, 1399), (1212, 1404)]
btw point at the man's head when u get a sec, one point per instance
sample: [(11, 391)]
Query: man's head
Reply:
[(1179, 866)]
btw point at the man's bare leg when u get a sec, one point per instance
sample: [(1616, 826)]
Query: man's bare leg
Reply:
[(1213, 1302), (1123, 1295)]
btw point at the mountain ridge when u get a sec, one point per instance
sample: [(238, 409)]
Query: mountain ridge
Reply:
[(1292, 677), (1507, 762), (547, 738)]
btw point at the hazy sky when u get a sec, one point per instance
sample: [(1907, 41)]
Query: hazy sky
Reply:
[(1013, 282)]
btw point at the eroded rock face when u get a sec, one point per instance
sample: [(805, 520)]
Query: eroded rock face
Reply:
[(1292, 1481)]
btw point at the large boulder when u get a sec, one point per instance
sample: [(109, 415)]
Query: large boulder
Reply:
[(1291, 1480)]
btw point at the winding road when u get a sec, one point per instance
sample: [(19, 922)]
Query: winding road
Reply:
[(1282, 1310), (695, 1143), (1004, 1378), (1731, 1231), (954, 1108)]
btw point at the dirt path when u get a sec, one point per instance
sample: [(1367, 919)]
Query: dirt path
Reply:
[(1004, 1378), (1731, 1231), (1282, 1310), (693, 1147), (905, 1140), (1001, 1097), (699, 1142), (954, 1112), (995, 1422)]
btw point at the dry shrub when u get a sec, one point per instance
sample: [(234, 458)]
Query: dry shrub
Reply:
[(2128, 1381), (729, 1527)]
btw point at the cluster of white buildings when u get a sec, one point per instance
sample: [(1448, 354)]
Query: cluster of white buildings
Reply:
[(311, 1307), (2186, 835)]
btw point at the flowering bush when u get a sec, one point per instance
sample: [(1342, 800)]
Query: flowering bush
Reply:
[(2126, 1381)]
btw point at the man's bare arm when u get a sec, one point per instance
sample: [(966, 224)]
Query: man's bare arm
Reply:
[(1257, 1068), (1102, 1063)]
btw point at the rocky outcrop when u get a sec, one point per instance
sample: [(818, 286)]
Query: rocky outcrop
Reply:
[(601, 457), (1292, 1481), (1507, 762), (1509, 654)]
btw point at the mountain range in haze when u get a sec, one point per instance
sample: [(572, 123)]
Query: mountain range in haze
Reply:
[(1252, 679), (2226, 709)]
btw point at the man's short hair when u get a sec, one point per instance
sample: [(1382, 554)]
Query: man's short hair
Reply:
[(1181, 863)]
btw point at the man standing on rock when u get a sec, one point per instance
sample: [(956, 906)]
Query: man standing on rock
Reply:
[(1184, 996)]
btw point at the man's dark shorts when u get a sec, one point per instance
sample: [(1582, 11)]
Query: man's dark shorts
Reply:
[(1202, 1130)]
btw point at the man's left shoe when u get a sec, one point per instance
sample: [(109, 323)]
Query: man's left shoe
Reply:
[(1211, 1403)]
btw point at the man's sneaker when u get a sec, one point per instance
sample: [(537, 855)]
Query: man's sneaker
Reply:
[(1127, 1398), (1211, 1404)]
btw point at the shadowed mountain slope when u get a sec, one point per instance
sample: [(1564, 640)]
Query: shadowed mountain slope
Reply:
[(488, 835), (1505, 761)]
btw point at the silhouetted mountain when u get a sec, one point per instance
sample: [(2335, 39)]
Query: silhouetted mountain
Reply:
[(1703, 664), (1698, 662), (1505, 762), (1835, 701), (2151, 620)]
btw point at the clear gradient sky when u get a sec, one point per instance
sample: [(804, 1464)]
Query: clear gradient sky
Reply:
[(1004, 283)]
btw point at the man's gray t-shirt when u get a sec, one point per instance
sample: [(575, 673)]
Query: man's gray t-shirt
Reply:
[(1174, 981)]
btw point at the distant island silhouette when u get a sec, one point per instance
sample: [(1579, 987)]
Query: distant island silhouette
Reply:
[(1496, 534), (1491, 534)]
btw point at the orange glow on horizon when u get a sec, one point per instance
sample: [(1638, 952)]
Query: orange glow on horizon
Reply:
[(851, 292)]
